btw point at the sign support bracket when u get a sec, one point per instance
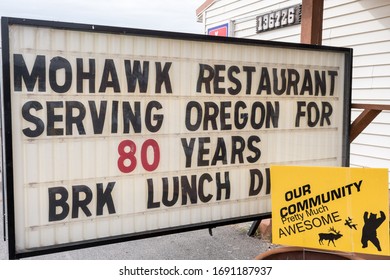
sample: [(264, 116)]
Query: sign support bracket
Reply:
[(370, 112)]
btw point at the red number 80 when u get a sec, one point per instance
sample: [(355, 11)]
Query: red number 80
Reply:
[(127, 150)]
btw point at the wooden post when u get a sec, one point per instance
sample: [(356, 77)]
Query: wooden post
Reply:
[(311, 21)]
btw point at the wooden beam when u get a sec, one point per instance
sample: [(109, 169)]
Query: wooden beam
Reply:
[(370, 111), (361, 122), (204, 6), (381, 107), (311, 21)]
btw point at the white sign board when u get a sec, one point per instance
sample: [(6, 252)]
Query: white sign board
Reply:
[(113, 134)]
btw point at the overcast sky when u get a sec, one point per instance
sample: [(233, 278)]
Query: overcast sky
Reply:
[(167, 15)]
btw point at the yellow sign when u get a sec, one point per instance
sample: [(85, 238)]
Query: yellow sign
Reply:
[(331, 208)]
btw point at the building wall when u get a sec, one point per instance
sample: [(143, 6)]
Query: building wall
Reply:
[(242, 14), (363, 25)]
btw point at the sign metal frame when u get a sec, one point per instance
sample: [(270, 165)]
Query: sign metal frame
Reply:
[(7, 133)]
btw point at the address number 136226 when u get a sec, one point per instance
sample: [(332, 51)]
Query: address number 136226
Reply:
[(277, 19)]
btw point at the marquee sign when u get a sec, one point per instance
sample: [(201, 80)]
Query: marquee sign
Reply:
[(114, 134)]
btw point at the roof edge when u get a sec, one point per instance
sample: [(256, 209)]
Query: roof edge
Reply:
[(204, 6)]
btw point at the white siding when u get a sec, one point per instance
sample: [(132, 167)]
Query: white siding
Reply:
[(363, 25), (243, 14)]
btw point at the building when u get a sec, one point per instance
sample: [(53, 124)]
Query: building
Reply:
[(363, 25)]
